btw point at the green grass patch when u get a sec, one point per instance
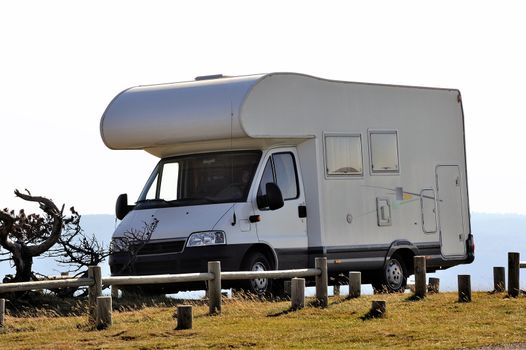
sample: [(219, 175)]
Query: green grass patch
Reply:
[(437, 322)]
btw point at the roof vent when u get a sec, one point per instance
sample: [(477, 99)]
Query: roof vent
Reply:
[(209, 77)]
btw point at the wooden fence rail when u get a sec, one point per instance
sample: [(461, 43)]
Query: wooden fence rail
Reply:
[(154, 279), (278, 274), (157, 279), (51, 284)]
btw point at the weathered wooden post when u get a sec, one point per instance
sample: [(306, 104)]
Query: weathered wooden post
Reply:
[(287, 288), (378, 308), (184, 317), (297, 293), (434, 285), (214, 288), (499, 283), (513, 274), (420, 276), (104, 319), (2, 312), (336, 290), (355, 284), (94, 291), (322, 281), (464, 288)]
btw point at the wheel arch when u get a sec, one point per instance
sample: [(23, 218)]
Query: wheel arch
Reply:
[(406, 250), (264, 249)]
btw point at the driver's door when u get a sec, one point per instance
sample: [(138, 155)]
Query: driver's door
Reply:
[(284, 229)]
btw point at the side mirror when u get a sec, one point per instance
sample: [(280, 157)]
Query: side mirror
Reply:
[(121, 207), (274, 196)]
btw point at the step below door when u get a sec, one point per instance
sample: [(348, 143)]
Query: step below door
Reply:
[(451, 221)]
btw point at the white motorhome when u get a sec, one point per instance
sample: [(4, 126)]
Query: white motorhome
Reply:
[(270, 171)]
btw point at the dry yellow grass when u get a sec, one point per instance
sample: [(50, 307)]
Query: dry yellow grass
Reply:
[(438, 322)]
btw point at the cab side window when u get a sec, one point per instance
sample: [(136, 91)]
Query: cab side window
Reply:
[(280, 169), (286, 175), (268, 176)]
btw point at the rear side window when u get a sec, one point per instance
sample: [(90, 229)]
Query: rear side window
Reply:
[(281, 169), (343, 155), (384, 152)]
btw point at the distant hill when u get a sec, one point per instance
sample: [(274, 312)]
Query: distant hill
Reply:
[(495, 235)]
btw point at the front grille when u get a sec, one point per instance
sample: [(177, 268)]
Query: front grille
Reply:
[(161, 248)]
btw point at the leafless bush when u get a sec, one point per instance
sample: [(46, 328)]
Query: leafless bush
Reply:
[(132, 242)]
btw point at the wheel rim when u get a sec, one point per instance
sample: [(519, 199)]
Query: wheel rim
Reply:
[(259, 284), (394, 274)]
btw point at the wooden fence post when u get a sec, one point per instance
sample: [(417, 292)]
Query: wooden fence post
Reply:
[(104, 318), (378, 308), (499, 283), (434, 285), (214, 288), (2, 313), (513, 274), (297, 293), (464, 288), (322, 281), (184, 317), (94, 291), (355, 284), (420, 276)]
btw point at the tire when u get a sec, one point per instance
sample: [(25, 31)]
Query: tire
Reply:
[(392, 278), (257, 262)]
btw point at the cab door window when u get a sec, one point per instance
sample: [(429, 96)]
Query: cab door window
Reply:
[(280, 169), (286, 175), (268, 176)]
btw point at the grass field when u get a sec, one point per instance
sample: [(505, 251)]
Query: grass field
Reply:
[(438, 322)]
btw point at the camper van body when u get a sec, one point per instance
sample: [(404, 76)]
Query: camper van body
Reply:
[(371, 175)]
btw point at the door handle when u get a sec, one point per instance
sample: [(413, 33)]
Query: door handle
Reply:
[(254, 218), (302, 211)]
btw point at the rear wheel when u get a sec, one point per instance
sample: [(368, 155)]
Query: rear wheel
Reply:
[(393, 277)]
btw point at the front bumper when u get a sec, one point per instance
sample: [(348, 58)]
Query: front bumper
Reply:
[(189, 260)]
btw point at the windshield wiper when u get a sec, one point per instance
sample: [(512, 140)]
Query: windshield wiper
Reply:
[(156, 203), (155, 200), (204, 199)]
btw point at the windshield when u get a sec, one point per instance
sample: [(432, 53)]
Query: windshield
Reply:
[(203, 178)]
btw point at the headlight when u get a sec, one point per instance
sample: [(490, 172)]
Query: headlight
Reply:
[(199, 239)]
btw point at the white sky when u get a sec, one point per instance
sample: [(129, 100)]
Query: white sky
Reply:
[(61, 63)]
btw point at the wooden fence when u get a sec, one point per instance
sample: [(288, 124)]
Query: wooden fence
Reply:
[(213, 277), (99, 307)]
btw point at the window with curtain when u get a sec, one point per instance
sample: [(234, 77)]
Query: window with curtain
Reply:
[(343, 155), (384, 151)]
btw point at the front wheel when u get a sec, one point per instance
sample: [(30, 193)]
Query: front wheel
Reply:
[(392, 278), (257, 262)]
